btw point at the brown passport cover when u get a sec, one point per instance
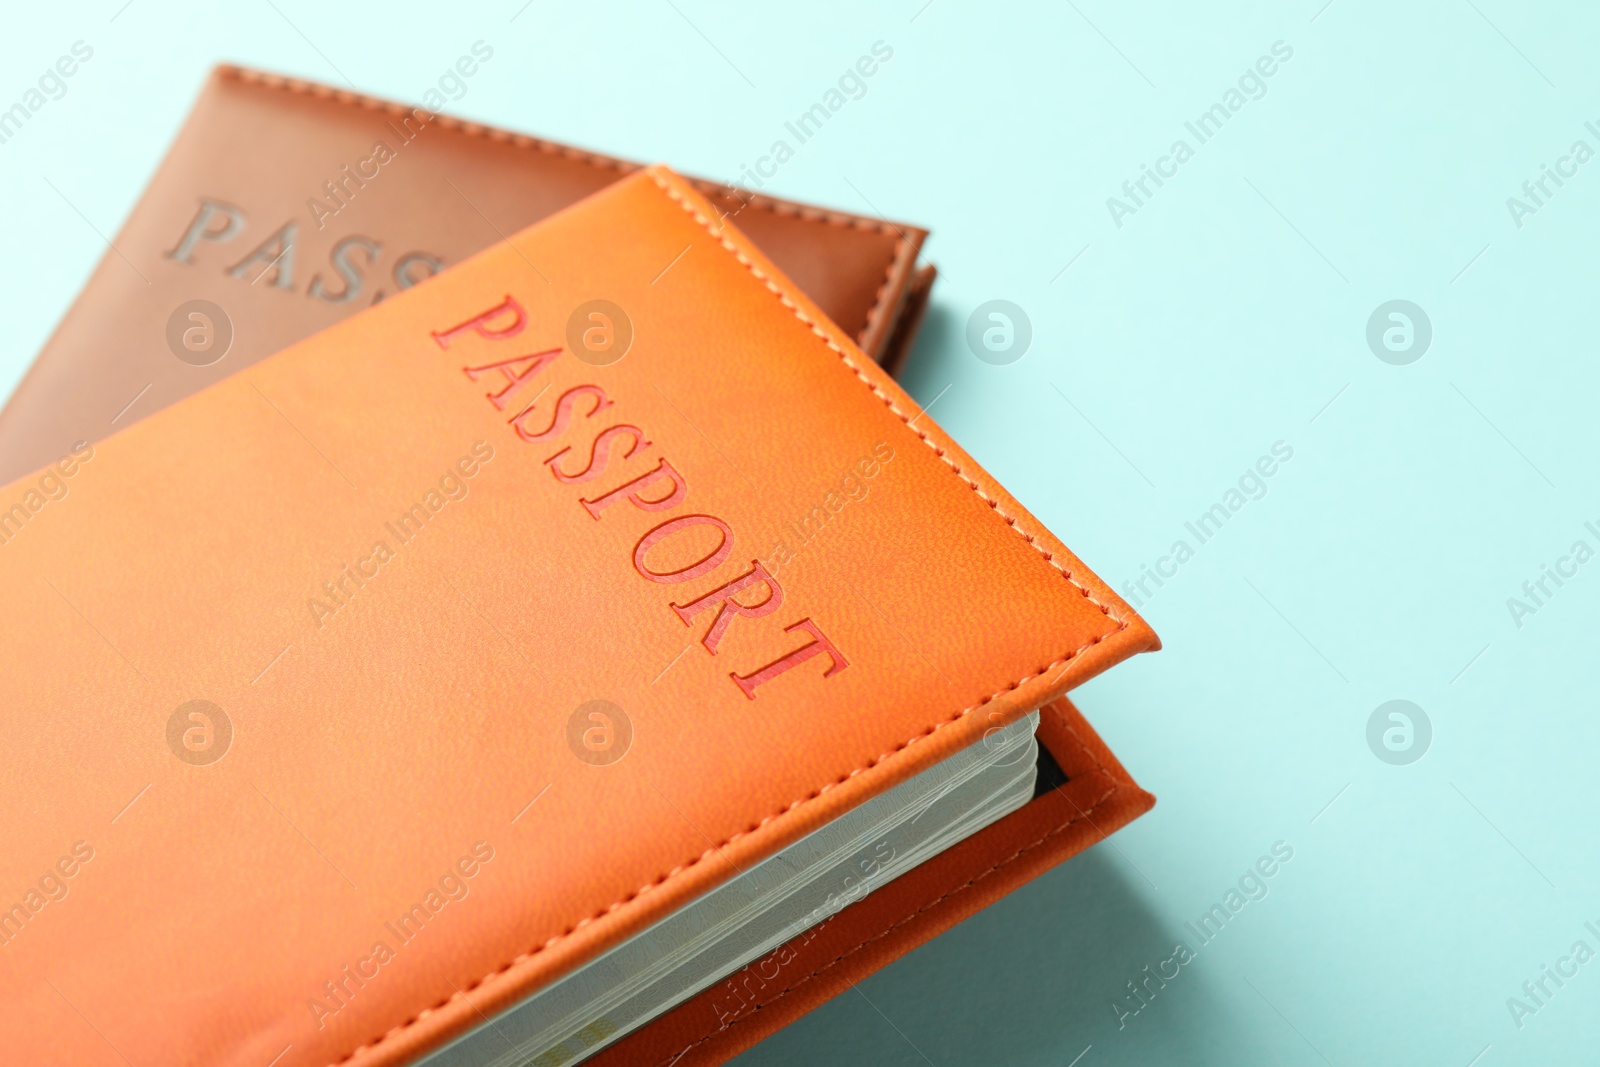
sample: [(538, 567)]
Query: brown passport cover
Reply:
[(276, 205)]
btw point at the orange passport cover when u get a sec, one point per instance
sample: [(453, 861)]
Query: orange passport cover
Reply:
[(299, 769)]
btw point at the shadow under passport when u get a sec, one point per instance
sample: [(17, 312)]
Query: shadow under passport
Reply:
[(938, 343), (1034, 979), (1030, 980)]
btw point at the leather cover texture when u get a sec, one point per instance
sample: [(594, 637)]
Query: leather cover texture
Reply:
[(1098, 798), (276, 204), (403, 836)]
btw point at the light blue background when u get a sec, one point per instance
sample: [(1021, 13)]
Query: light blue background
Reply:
[(1222, 317)]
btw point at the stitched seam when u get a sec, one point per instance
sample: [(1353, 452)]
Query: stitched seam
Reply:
[(880, 299), (807, 213), (660, 880), (715, 850), (886, 931), (902, 245), (349, 99), (706, 223), (832, 218)]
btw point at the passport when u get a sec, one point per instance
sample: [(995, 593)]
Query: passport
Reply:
[(285, 205), (417, 668)]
